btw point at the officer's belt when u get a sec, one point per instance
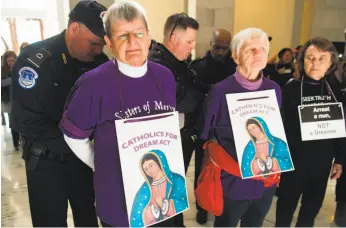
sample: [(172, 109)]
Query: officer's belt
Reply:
[(36, 149)]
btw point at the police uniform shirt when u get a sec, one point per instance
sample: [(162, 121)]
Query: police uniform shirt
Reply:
[(42, 78)]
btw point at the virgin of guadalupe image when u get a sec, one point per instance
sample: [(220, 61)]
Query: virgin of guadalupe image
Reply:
[(163, 193), (264, 153)]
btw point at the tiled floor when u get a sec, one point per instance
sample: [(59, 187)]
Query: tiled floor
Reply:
[(14, 197)]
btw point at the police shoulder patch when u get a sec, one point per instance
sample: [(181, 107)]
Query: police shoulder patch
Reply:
[(27, 77)]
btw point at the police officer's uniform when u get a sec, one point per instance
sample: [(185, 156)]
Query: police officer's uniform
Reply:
[(189, 94), (189, 101), (42, 78)]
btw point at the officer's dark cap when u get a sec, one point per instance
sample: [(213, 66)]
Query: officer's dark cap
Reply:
[(90, 14)]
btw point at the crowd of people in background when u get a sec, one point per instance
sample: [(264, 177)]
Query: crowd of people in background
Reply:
[(8, 60), (198, 93)]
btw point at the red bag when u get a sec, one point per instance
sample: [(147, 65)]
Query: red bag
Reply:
[(209, 194)]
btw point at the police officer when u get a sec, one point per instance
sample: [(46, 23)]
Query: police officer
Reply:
[(42, 78), (179, 40), (215, 66)]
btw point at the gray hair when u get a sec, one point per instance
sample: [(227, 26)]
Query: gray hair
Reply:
[(124, 10), (246, 34)]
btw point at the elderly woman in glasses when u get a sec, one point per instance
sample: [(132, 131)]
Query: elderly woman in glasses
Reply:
[(245, 200), (116, 90), (312, 159)]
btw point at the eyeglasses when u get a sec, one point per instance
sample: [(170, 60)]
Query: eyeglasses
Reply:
[(139, 34), (177, 21)]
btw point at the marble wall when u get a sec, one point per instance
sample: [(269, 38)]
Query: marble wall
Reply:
[(329, 19), (289, 22), (212, 14), (273, 17), (235, 15)]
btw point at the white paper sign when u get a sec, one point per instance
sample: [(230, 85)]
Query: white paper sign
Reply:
[(259, 134), (322, 121), (152, 168)]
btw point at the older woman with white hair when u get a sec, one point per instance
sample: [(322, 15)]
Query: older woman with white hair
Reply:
[(245, 200), (111, 92)]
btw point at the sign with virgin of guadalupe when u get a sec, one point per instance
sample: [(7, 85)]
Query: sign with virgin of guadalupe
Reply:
[(259, 134), (152, 168)]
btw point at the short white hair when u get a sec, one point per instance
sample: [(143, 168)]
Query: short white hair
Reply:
[(246, 34), (124, 10)]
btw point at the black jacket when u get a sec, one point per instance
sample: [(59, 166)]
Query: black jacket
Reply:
[(42, 78), (313, 158), (210, 72), (188, 92)]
